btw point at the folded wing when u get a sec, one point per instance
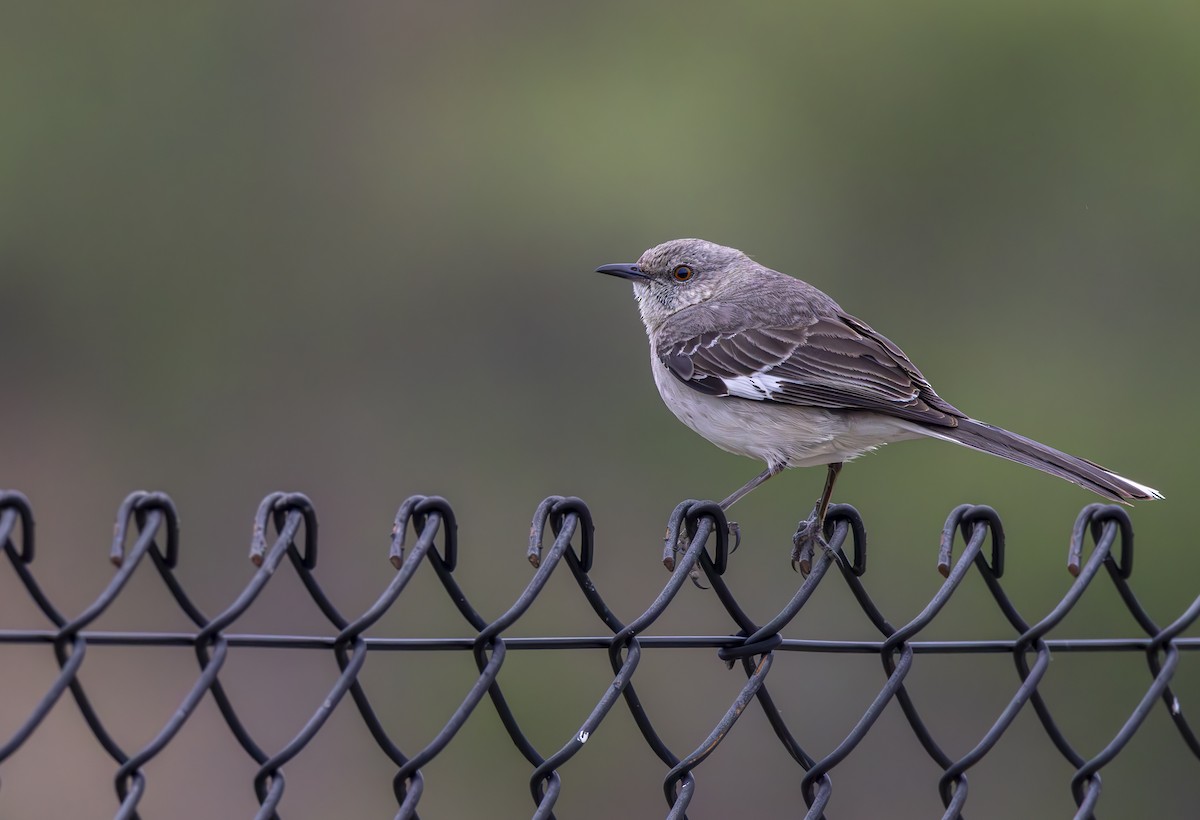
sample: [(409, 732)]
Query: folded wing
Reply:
[(835, 362)]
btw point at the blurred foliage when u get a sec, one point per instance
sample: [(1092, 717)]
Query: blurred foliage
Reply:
[(347, 249)]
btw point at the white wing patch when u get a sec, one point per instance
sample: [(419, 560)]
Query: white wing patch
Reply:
[(759, 386)]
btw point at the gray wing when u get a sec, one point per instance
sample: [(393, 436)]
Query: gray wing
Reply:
[(834, 362)]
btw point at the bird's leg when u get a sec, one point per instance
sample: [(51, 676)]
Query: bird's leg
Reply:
[(737, 495), (810, 533), (742, 492)]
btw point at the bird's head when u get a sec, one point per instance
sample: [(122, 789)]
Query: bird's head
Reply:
[(681, 273)]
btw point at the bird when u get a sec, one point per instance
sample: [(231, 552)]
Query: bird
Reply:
[(767, 366)]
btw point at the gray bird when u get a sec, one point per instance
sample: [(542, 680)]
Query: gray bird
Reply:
[(766, 366)]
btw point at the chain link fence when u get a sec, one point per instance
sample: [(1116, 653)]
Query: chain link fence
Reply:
[(697, 550)]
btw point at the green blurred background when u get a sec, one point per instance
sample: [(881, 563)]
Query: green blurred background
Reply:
[(347, 250)]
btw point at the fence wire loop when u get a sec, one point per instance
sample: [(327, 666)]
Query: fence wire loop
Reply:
[(14, 508), (858, 534), (135, 507), (1094, 517), (712, 511), (965, 518), (286, 510), (553, 511), (685, 519), (749, 649), (418, 509), (150, 525)]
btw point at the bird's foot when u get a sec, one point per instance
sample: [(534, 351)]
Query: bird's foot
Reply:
[(676, 549), (809, 536), (681, 544)]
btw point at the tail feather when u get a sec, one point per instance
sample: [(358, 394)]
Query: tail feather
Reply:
[(999, 442)]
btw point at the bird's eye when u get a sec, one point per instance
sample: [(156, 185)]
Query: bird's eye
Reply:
[(682, 273)]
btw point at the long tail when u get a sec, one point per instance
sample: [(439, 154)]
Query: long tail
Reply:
[(1000, 442)]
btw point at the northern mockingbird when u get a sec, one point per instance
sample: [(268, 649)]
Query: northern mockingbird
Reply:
[(764, 365)]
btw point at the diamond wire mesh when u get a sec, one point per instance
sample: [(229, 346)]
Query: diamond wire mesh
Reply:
[(147, 526)]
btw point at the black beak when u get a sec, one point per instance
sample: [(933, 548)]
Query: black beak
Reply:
[(623, 271)]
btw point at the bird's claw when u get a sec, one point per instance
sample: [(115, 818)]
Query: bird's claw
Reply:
[(681, 544), (807, 538)]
